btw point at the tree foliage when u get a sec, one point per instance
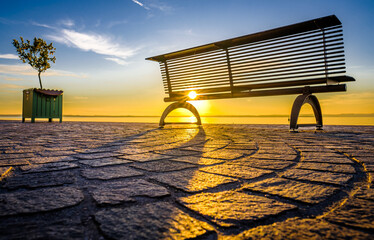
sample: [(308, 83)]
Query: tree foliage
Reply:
[(39, 54)]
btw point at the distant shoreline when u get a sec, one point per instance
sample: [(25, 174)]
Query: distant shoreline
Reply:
[(206, 116)]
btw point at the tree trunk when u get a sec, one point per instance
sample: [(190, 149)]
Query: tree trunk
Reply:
[(40, 81)]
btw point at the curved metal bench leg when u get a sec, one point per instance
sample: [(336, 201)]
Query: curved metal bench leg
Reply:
[(299, 102), (176, 105)]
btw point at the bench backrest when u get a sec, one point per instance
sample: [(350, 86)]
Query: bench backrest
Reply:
[(305, 53)]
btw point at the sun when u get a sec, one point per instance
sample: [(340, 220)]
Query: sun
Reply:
[(192, 95)]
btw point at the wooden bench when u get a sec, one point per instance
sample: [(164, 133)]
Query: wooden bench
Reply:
[(303, 58)]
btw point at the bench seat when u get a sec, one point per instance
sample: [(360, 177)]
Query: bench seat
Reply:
[(302, 58)]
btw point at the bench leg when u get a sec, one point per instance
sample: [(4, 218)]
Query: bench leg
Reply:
[(299, 102), (176, 105)]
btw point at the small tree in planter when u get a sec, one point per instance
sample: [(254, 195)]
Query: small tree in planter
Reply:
[(38, 54), (39, 103)]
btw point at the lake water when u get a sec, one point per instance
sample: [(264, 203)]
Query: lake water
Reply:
[(328, 120)]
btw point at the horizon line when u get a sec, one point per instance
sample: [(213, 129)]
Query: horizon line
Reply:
[(267, 115)]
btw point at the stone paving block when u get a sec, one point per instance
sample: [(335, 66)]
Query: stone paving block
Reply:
[(300, 229), (14, 162), (56, 153), (96, 150), (58, 166), (104, 162), (361, 153), (236, 170), (355, 212), (35, 180), (31, 149), (162, 166), (145, 157), (324, 177), (160, 147), (263, 163), (40, 160), (4, 171), (192, 180), (16, 156), (60, 147), (86, 147), (88, 156), (126, 191), (214, 140), (326, 159), (366, 193), (151, 221), (366, 159), (242, 146), (330, 167), (199, 148), (314, 149), (110, 172), (198, 160), (226, 208), (61, 229), (131, 149), (305, 192), (223, 154), (275, 157), (369, 167), (39, 200), (281, 150), (179, 152), (324, 154)]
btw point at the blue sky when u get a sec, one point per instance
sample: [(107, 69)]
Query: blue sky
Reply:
[(101, 47)]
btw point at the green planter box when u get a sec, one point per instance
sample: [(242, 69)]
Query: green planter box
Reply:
[(41, 103)]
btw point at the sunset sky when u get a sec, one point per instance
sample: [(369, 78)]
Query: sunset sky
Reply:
[(101, 48)]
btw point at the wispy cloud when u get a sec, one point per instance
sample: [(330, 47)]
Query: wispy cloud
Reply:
[(67, 22), (10, 86), (140, 4), (94, 42), (117, 60), (42, 25), (8, 56), (12, 79), (153, 4), (115, 23), (160, 6), (26, 70)]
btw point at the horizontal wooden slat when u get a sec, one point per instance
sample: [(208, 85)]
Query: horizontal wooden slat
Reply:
[(274, 33), (303, 53), (274, 80), (285, 40), (264, 74), (262, 93), (313, 81), (310, 42)]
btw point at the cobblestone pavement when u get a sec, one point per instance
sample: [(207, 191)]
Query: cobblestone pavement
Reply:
[(135, 181)]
